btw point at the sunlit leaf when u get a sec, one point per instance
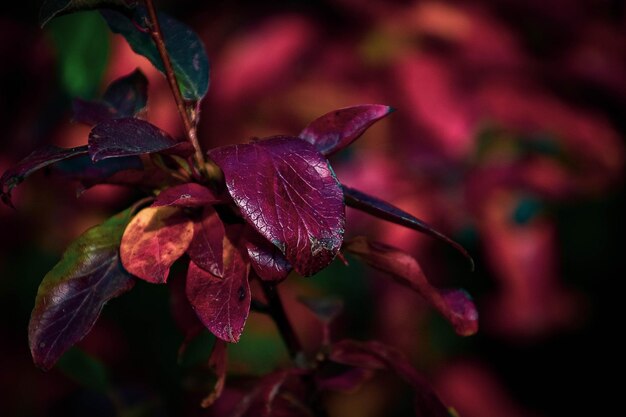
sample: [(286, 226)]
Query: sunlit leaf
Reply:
[(153, 241), (72, 294), (375, 355), (222, 304), (337, 129), (38, 159), (287, 190), (125, 97), (455, 305), (125, 137), (185, 48), (386, 211)]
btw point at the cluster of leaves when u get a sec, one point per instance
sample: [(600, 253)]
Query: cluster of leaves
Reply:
[(254, 211)]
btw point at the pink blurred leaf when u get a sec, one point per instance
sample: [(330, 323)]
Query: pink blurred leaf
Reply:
[(153, 241), (349, 380), (286, 189), (222, 304), (336, 130), (206, 249), (376, 356), (455, 305)]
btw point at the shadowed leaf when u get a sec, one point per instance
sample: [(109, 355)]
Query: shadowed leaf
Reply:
[(455, 305), (386, 211), (186, 195), (185, 48), (277, 394), (206, 249), (375, 355), (38, 159), (222, 304), (72, 294), (53, 8), (349, 380), (125, 97), (153, 241), (125, 137), (337, 129), (218, 363), (266, 259), (287, 190)]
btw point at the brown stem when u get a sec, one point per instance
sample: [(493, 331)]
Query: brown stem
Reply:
[(277, 312), (190, 130)]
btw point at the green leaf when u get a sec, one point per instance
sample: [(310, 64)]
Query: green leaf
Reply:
[(185, 48), (71, 296), (53, 8), (82, 47), (84, 369)]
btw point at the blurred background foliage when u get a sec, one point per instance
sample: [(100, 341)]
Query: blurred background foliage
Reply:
[(509, 136)]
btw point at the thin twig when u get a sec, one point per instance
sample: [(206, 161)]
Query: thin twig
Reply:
[(190, 130)]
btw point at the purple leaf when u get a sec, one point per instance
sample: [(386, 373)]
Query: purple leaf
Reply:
[(336, 130), (375, 355), (153, 241), (222, 304), (386, 211), (218, 363), (266, 259), (454, 305), (124, 137), (186, 195), (125, 97), (206, 249), (72, 294), (38, 159), (287, 190)]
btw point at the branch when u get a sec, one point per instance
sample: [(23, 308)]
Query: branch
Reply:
[(277, 312), (190, 129)]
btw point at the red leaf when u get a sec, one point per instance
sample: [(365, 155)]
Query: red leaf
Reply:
[(153, 241), (288, 192), (186, 195), (386, 211), (336, 130), (266, 259), (455, 305), (206, 249), (222, 304), (218, 363), (375, 355)]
